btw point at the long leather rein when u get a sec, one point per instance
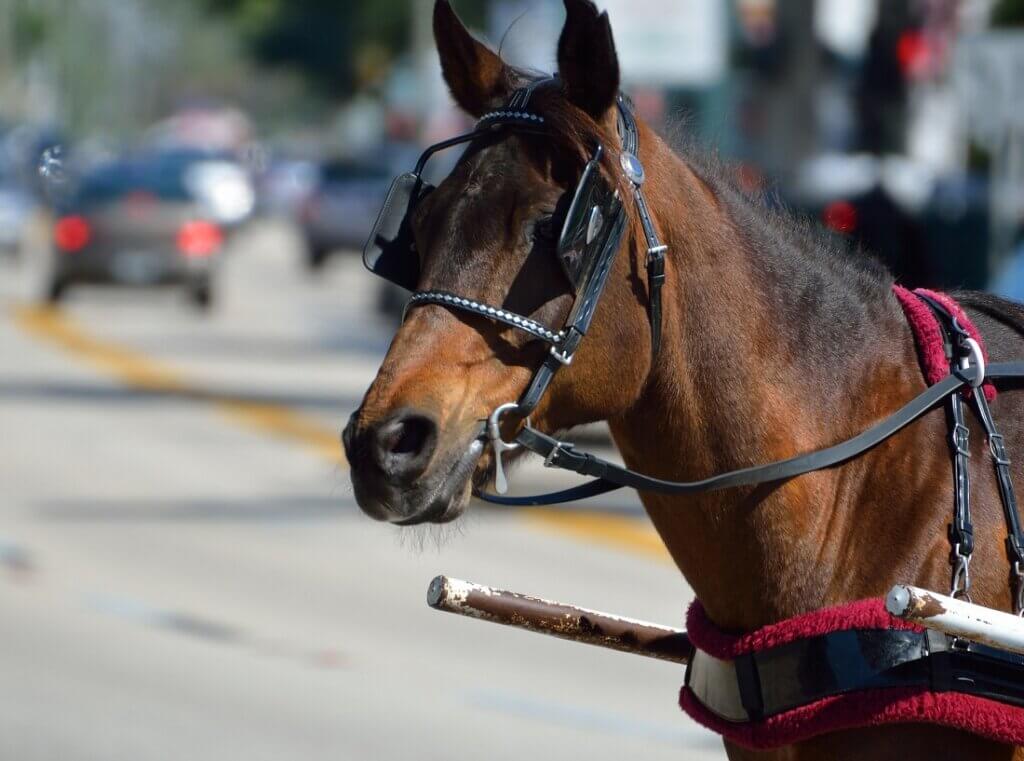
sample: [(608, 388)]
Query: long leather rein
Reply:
[(608, 476)]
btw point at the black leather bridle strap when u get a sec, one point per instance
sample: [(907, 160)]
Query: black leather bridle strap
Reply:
[(655, 248), (609, 476)]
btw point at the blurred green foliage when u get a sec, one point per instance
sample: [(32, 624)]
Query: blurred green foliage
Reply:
[(327, 40), (1008, 13)]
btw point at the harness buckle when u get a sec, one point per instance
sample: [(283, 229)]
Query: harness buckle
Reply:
[(564, 357), (998, 449), (549, 461), (961, 438), (961, 586)]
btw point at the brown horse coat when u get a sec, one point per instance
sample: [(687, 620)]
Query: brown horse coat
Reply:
[(773, 345)]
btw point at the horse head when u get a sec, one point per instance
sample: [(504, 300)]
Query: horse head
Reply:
[(489, 233)]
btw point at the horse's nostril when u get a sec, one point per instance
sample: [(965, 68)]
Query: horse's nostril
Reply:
[(404, 445), (411, 437)]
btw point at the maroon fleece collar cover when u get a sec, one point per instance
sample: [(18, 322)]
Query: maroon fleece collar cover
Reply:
[(866, 708)]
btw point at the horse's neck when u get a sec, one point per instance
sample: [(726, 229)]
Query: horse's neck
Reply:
[(738, 383)]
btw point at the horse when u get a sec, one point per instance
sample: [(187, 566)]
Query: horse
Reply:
[(774, 343)]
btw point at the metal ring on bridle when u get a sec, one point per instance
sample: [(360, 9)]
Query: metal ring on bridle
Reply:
[(494, 425), (977, 358)]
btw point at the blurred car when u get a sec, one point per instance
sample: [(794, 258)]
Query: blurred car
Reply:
[(215, 179), (929, 230), (136, 223), (342, 207), (285, 184)]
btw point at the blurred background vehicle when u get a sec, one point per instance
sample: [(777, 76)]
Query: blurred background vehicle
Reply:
[(341, 207), (139, 222)]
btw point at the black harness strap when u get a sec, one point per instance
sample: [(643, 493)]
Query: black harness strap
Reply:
[(961, 531), (1014, 535), (656, 250), (610, 476)]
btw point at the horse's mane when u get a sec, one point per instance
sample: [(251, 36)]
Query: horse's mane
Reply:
[(813, 274)]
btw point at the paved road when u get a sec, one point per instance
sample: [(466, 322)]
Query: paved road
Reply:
[(184, 573)]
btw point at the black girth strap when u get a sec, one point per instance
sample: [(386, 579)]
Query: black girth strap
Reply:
[(610, 476)]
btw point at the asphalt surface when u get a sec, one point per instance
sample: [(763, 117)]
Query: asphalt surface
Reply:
[(185, 575)]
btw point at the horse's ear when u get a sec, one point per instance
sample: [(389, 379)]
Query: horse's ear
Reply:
[(477, 77), (587, 62)]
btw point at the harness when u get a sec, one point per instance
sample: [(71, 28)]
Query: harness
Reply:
[(849, 666), (594, 227)]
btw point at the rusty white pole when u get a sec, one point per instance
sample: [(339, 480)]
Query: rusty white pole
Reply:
[(957, 617), (559, 620)]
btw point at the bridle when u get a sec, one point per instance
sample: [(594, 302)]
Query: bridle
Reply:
[(594, 227)]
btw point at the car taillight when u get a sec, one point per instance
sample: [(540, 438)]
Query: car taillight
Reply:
[(72, 233), (840, 216), (197, 239)]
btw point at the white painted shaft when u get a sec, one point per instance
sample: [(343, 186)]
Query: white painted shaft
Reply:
[(957, 617)]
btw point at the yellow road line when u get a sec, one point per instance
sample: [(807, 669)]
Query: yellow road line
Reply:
[(620, 531), (139, 371)]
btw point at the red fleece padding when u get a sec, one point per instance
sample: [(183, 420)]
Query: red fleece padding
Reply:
[(868, 708), (864, 708), (928, 333), (864, 614)]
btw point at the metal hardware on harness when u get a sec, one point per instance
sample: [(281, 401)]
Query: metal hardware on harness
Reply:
[(564, 357), (978, 358), (961, 586), (499, 445), (632, 167), (549, 461), (961, 532), (1014, 534)]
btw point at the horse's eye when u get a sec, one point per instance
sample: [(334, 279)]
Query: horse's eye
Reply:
[(544, 230)]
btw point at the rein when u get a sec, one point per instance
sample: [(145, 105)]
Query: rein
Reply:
[(608, 476)]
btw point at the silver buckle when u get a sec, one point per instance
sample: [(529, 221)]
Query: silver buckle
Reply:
[(961, 586), (549, 461), (564, 357)]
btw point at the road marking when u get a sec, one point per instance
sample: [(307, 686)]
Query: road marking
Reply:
[(140, 371), (625, 533)]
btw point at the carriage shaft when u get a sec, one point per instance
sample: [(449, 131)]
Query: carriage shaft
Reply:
[(957, 618), (559, 620)]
